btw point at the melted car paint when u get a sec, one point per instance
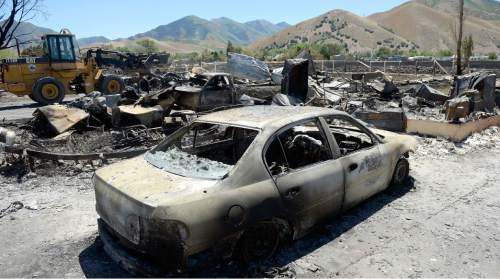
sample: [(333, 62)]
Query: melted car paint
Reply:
[(181, 163)]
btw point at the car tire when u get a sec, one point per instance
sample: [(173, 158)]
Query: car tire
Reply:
[(112, 84), (48, 90), (259, 243), (401, 172)]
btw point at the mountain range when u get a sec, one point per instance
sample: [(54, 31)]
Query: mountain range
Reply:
[(192, 33), (417, 24)]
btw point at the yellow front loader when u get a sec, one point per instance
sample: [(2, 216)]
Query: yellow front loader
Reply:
[(60, 70)]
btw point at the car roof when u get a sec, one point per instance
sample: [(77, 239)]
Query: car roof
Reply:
[(262, 117)]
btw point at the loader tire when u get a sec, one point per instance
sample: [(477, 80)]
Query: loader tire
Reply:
[(112, 84), (48, 90)]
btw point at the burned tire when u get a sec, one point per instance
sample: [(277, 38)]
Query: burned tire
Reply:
[(48, 90), (112, 84), (401, 172), (259, 243)]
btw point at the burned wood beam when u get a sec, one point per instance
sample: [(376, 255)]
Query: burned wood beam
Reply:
[(72, 157)]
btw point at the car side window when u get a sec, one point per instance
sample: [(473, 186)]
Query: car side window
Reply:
[(349, 137), (298, 147), (275, 158)]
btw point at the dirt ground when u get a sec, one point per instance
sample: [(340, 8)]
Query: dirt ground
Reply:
[(443, 223), (14, 107)]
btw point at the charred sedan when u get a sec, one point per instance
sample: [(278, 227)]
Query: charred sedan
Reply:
[(240, 181)]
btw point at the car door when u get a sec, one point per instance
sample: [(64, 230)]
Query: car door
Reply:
[(361, 159), (309, 179)]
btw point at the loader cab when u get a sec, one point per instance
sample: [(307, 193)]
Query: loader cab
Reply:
[(62, 51)]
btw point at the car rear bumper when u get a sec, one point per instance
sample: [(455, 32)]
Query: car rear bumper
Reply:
[(133, 261)]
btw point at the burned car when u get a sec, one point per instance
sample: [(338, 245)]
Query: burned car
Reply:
[(240, 181), (217, 91)]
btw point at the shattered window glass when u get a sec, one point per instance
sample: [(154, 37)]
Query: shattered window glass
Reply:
[(349, 137), (203, 151)]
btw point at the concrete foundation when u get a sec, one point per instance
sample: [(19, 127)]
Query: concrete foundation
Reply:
[(451, 131)]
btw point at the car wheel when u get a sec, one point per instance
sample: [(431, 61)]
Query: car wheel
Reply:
[(112, 84), (401, 172), (48, 90), (259, 243)]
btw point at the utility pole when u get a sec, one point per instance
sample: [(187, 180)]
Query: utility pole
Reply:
[(460, 35)]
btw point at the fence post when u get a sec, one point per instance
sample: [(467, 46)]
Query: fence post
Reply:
[(371, 65), (416, 68), (385, 68), (333, 66)]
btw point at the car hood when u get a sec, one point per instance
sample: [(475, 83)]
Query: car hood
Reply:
[(139, 180), (409, 142)]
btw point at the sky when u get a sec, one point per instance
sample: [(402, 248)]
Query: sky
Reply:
[(124, 18)]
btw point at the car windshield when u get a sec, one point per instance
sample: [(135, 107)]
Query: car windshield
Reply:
[(203, 150)]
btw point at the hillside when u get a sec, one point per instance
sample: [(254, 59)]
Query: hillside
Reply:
[(193, 29), (93, 40), (482, 9), (28, 32), (430, 26), (357, 33)]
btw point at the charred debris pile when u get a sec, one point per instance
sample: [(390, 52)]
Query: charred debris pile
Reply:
[(101, 127)]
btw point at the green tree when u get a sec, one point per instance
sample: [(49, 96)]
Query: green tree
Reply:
[(445, 53), (468, 49), (231, 48), (383, 52), (149, 45), (492, 56), (123, 49), (328, 50)]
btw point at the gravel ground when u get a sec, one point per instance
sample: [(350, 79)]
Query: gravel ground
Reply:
[(444, 223)]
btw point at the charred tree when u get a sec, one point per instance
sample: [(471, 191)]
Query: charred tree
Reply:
[(12, 14)]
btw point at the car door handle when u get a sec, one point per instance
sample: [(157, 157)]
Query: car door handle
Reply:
[(353, 167), (293, 192)]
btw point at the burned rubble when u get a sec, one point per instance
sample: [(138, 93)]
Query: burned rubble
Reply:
[(157, 104)]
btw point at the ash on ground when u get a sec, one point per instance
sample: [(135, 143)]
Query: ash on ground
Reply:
[(488, 139)]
